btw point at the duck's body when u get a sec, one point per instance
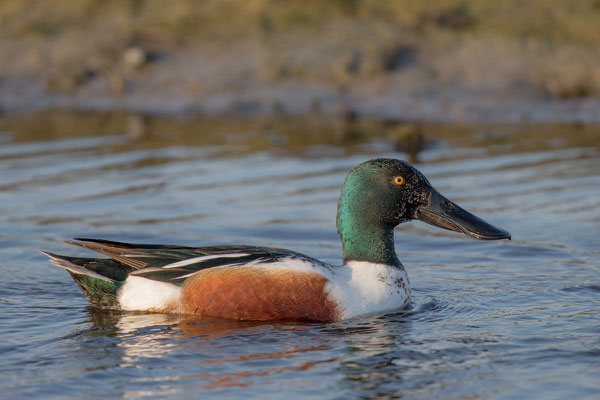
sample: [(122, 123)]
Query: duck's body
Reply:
[(261, 283), (236, 282)]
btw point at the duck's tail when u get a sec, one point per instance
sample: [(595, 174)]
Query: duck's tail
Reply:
[(99, 278)]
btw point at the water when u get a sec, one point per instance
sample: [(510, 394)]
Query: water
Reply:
[(502, 320)]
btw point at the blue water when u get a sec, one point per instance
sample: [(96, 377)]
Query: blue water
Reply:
[(501, 320)]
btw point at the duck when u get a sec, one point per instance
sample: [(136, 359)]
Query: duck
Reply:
[(262, 283)]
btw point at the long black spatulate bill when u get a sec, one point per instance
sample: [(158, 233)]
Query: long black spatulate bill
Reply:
[(443, 213)]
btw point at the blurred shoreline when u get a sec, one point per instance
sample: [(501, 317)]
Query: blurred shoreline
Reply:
[(455, 61), (275, 102)]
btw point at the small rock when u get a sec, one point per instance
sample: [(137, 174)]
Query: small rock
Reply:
[(134, 58)]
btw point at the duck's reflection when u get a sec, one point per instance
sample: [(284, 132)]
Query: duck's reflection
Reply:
[(211, 353), (215, 352)]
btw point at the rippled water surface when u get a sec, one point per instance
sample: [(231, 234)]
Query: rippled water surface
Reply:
[(503, 320)]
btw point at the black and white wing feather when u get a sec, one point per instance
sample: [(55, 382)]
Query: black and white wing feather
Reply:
[(174, 264)]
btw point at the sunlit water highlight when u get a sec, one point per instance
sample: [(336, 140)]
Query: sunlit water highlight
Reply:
[(502, 320)]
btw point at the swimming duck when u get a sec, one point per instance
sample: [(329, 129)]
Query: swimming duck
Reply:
[(263, 283)]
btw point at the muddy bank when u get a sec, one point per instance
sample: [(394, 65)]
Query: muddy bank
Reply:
[(463, 61)]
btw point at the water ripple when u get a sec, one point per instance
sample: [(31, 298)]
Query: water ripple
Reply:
[(515, 319)]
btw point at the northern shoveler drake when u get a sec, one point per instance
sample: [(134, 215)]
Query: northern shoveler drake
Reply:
[(263, 283)]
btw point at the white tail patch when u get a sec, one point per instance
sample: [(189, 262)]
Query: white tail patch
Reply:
[(141, 294), (204, 258)]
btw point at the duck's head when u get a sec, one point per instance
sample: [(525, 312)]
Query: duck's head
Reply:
[(379, 194)]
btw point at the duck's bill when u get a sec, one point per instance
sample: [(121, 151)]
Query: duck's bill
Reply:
[(443, 213)]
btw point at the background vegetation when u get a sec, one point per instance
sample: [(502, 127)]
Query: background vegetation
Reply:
[(539, 49)]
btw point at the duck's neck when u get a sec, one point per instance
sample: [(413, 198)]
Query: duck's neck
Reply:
[(364, 241)]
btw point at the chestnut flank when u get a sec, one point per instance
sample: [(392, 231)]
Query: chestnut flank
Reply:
[(255, 293)]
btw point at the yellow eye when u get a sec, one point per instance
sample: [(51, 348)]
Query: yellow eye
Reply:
[(399, 180)]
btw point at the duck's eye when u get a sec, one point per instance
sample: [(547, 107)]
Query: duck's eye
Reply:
[(399, 180)]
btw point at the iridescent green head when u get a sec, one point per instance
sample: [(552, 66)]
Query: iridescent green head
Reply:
[(379, 194)]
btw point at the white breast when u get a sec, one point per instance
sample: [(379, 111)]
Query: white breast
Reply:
[(362, 288)]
